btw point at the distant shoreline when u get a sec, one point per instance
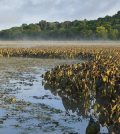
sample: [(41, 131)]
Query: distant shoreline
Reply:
[(28, 43)]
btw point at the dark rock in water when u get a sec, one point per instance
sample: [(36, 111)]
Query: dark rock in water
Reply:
[(93, 127)]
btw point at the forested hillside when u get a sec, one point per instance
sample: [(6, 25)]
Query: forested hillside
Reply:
[(102, 28)]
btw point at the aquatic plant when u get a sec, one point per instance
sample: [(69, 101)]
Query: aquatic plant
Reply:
[(98, 78)]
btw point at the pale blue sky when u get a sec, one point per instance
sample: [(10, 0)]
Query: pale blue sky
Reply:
[(16, 12)]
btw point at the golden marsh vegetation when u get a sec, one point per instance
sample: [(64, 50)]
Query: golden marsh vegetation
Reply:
[(97, 78)]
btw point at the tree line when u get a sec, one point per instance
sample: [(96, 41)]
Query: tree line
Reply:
[(101, 29)]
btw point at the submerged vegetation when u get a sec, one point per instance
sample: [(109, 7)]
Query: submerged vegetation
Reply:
[(102, 28)]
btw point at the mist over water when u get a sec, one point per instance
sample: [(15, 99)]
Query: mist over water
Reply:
[(42, 43)]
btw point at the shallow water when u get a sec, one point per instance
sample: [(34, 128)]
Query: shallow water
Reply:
[(36, 110)]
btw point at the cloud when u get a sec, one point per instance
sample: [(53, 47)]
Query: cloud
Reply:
[(16, 12)]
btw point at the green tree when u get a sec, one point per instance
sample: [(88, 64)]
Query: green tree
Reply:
[(114, 34), (102, 32), (34, 28), (102, 28)]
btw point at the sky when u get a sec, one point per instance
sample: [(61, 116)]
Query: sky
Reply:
[(17, 12)]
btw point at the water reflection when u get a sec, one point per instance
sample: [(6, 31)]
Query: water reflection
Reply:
[(45, 113), (102, 107), (74, 101), (26, 107)]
